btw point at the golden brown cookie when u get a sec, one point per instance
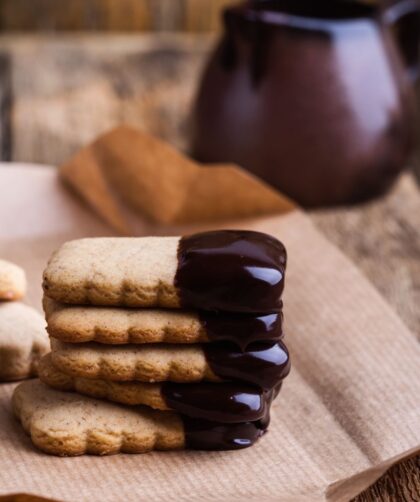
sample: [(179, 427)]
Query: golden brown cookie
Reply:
[(110, 325), (12, 281), (145, 363), (225, 402), (219, 271), (68, 424), (132, 393), (117, 326), (131, 272), (23, 341)]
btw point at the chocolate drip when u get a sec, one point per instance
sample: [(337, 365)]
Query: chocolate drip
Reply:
[(229, 415), (242, 329), (219, 402), (262, 364), (201, 434), (205, 435), (231, 271), (227, 51), (235, 278)]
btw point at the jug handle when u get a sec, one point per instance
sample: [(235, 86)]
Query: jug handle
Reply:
[(406, 14)]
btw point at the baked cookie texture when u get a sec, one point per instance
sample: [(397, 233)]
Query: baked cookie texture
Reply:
[(131, 393), (146, 363), (109, 325), (130, 272), (23, 341), (118, 333), (12, 281), (68, 424)]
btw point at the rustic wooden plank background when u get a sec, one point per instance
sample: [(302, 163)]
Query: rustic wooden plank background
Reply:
[(115, 15), (57, 93)]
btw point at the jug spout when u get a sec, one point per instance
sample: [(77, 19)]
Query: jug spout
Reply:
[(403, 17)]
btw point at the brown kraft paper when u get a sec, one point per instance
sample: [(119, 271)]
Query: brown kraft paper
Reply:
[(349, 408)]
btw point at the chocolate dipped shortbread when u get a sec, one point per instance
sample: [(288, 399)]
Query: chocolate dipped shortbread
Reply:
[(181, 337), (229, 270)]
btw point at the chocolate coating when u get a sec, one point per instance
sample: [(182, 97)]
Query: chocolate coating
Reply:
[(229, 415), (235, 278), (227, 402), (208, 435), (242, 329), (262, 364), (205, 435), (231, 271)]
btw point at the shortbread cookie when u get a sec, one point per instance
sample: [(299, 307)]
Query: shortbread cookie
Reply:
[(223, 402), (227, 270), (23, 341), (12, 281), (66, 424), (146, 363), (111, 325), (62, 423), (131, 393), (132, 272), (264, 365)]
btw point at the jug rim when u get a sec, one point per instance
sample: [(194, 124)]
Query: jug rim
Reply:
[(295, 16)]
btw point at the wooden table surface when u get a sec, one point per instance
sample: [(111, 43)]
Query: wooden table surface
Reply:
[(58, 93)]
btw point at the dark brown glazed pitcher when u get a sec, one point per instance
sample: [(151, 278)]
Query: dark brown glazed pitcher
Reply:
[(314, 97)]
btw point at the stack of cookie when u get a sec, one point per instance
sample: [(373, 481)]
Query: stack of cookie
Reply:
[(191, 327), (23, 340)]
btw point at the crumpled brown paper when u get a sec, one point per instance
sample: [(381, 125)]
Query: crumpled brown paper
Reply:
[(348, 410)]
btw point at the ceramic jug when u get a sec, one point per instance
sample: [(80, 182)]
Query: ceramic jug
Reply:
[(316, 98)]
